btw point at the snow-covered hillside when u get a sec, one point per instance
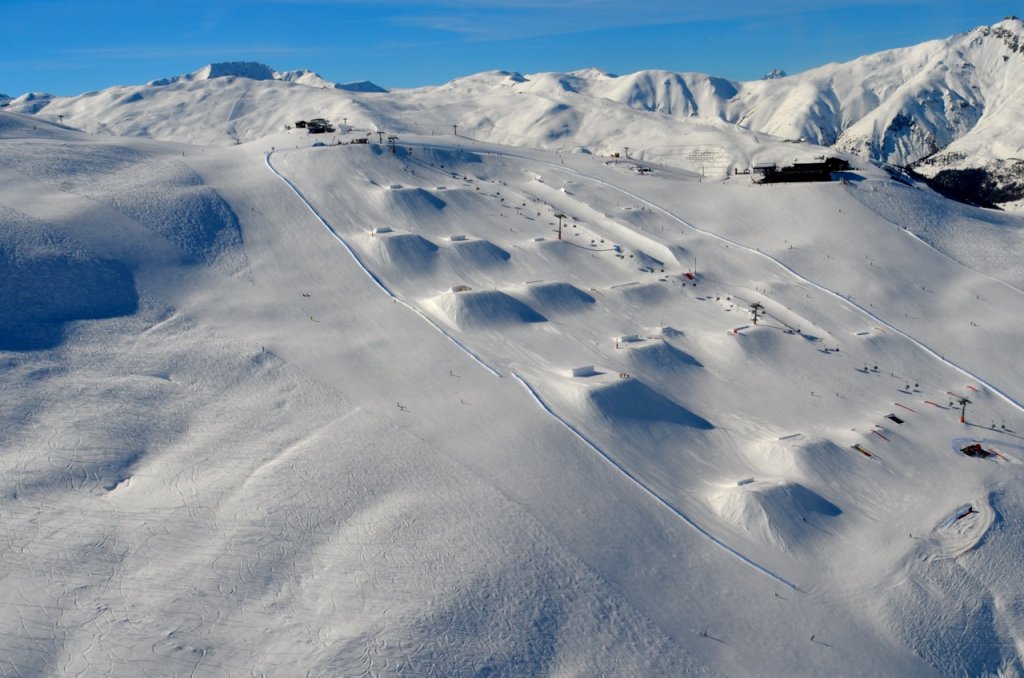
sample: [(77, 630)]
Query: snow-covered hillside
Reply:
[(451, 406)]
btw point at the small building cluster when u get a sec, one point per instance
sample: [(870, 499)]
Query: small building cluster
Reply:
[(315, 126)]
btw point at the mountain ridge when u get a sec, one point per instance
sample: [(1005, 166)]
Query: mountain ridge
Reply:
[(252, 70), (950, 104)]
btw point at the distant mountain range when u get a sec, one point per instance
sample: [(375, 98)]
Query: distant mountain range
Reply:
[(255, 71), (948, 110)]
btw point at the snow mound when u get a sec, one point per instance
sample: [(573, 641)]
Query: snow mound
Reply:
[(634, 401), (481, 253), (661, 357), (164, 195), (757, 341), (415, 201), (775, 512), (558, 297), (961, 530), (560, 252), (406, 251), (646, 293), (814, 459), (486, 308), (48, 281)]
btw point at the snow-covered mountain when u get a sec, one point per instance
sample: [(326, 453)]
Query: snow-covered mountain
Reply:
[(256, 71), (458, 408), (520, 391)]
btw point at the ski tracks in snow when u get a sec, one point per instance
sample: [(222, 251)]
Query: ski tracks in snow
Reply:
[(377, 281), (649, 492), (533, 393), (757, 252)]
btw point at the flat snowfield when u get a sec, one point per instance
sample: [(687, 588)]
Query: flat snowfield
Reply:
[(444, 407)]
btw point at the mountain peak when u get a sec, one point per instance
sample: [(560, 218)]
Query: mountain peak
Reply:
[(242, 69), (774, 74), (593, 73), (1010, 31), (362, 86)]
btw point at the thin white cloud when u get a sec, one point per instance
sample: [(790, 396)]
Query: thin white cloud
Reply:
[(517, 19)]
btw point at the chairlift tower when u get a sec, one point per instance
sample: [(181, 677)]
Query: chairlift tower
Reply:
[(560, 216), (756, 311), (964, 402)]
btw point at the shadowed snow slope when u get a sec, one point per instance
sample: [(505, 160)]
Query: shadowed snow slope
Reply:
[(48, 281), (410, 201), (480, 253), (632, 401), (407, 252), (558, 297)]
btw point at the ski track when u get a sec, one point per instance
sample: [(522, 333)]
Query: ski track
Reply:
[(651, 493), (752, 250), (377, 281), (935, 249)]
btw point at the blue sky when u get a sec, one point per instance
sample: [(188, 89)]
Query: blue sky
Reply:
[(74, 46)]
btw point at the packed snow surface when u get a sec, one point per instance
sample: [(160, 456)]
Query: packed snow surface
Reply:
[(449, 406)]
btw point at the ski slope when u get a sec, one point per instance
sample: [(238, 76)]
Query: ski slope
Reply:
[(278, 408)]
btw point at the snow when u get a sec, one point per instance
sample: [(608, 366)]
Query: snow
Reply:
[(270, 407)]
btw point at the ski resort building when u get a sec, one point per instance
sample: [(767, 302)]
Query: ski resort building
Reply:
[(819, 170), (315, 126)]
